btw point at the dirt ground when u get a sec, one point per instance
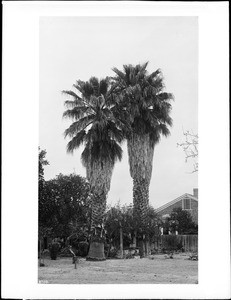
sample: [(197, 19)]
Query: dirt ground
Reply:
[(159, 270)]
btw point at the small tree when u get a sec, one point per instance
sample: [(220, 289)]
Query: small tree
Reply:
[(121, 221), (64, 204), (114, 226), (41, 163), (154, 222), (181, 220)]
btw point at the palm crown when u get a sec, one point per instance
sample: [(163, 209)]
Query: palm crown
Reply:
[(94, 123), (142, 96)]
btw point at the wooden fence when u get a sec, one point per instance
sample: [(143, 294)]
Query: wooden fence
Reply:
[(189, 243)]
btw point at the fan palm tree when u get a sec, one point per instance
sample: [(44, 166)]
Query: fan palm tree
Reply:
[(148, 107), (95, 126)]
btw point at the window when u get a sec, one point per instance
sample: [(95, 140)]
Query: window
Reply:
[(187, 203)]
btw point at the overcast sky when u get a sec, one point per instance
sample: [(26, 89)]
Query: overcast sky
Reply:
[(73, 48)]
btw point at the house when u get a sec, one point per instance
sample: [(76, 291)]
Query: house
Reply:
[(186, 202)]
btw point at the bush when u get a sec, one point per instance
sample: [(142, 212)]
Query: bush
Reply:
[(46, 253), (65, 252), (170, 243), (128, 256), (180, 246), (112, 252), (54, 249), (83, 248)]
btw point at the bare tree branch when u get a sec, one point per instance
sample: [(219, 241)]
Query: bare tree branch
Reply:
[(190, 148)]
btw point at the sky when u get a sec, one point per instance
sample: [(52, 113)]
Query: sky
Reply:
[(72, 48)]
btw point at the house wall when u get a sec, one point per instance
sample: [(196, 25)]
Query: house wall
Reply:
[(169, 209), (195, 192), (193, 210)]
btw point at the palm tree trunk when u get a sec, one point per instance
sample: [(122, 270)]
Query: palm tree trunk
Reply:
[(40, 252), (134, 242), (141, 246), (140, 152), (141, 201), (96, 250), (121, 242), (98, 209), (147, 246), (99, 175)]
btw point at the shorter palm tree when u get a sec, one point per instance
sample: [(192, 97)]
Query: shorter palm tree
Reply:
[(95, 126)]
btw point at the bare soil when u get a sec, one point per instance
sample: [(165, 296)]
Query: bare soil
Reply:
[(119, 271)]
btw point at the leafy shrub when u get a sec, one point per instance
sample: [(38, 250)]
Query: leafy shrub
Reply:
[(54, 249), (65, 252), (170, 243), (129, 256), (113, 252), (83, 248)]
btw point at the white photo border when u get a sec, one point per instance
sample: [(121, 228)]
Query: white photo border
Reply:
[(20, 150)]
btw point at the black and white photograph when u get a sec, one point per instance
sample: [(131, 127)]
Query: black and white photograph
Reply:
[(118, 156), (116, 121)]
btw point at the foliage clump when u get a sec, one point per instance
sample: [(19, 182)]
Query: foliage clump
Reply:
[(181, 220), (63, 205)]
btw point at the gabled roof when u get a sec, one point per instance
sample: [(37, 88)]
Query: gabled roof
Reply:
[(184, 196)]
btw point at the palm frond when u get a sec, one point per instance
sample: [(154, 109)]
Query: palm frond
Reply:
[(143, 67), (86, 155), (94, 83), (129, 69), (77, 112), (115, 133), (155, 134), (71, 93), (79, 85), (165, 96), (166, 119), (104, 86), (71, 103), (119, 73), (76, 141), (116, 151), (79, 125), (153, 75), (163, 129), (158, 84)]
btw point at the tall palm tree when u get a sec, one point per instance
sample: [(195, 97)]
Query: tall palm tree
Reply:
[(95, 126), (141, 95)]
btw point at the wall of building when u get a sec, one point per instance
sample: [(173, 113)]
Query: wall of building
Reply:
[(193, 210), (169, 209)]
